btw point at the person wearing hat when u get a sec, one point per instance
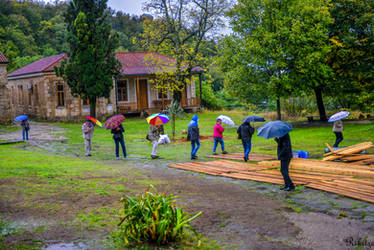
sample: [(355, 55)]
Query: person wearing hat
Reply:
[(193, 136), (88, 130), (218, 137), (245, 132)]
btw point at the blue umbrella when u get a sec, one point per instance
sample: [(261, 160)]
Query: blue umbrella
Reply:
[(20, 118), (338, 116), (253, 118), (274, 129)]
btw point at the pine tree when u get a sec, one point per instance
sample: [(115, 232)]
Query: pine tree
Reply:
[(91, 63)]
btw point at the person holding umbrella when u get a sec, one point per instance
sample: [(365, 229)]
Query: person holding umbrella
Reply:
[(218, 137), (245, 132), (154, 133), (88, 129), (156, 128), (338, 126), (115, 124), (193, 136), (279, 131), (25, 129)]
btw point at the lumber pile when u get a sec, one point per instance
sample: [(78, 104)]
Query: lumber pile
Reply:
[(325, 167), (239, 157), (351, 154), (351, 180)]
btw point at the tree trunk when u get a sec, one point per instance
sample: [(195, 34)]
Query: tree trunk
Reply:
[(320, 105), (173, 126), (279, 115), (93, 107)]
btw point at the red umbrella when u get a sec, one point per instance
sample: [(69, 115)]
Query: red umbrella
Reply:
[(114, 121)]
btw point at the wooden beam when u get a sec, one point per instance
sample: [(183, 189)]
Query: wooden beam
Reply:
[(138, 94)]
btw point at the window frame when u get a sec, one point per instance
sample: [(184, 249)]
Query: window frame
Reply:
[(120, 94), (60, 95)]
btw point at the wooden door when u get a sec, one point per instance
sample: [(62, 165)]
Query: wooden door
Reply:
[(143, 97), (184, 97)]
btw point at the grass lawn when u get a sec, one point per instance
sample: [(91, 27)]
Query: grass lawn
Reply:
[(309, 138), (75, 193)]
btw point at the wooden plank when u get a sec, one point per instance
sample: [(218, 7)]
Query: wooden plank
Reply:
[(330, 148), (349, 150), (357, 157), (355, 195)]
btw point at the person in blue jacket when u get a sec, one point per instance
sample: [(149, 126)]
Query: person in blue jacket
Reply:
[(193, 136)]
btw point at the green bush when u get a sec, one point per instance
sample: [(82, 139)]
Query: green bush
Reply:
[(153, 218)]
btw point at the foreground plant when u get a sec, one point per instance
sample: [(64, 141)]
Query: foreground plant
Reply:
[(153, 218)]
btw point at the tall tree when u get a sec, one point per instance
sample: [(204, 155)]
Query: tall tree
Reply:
[(352, 54), (179, 30), (254, 57), (278, 47), (91, 63)]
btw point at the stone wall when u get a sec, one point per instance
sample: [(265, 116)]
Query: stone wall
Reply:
[(36, 96), (4, 95)]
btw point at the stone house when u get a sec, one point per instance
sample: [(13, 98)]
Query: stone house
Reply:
[(37, 91), (4, 94)]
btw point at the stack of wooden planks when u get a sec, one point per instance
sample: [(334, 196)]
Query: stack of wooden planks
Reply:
[(351, 154), (239, 157), (355, 181)]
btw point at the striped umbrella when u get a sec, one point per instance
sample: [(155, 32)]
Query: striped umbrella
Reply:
[(94, 120), (114, 121), (157, 119)]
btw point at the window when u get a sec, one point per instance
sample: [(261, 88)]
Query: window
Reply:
[(20, 95), (36, 94), (164, 94), (60, 94), (123, 96), (86, 101)]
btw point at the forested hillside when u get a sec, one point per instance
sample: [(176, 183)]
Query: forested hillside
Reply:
[(30, 30)]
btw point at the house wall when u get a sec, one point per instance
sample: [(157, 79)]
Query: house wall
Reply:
[(36, 96), (4, 94)]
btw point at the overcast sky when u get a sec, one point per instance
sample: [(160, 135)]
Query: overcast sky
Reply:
[(127, 6)]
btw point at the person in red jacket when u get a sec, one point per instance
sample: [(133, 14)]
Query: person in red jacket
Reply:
[(218, 137)]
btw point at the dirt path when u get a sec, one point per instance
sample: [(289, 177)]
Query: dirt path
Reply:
[(237, 214), (39, 134)]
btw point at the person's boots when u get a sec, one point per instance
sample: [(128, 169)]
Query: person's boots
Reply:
[(224, 152)]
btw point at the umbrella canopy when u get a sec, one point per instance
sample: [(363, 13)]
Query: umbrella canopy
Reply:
[(157, 119), (21, 118), (253, 118), (114, 121), (274, 129), (226, 120), (338, 116), (94, 120)]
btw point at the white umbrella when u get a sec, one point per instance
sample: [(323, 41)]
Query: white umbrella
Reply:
[(226, 120)]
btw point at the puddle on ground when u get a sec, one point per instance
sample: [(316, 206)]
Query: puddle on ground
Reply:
[(70, 246)]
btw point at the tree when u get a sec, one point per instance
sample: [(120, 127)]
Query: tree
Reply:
[(352, 53), (278, 48), (179, 30), (253, 56), (91, 65)]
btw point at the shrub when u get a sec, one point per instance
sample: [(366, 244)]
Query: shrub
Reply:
[(153, 218)]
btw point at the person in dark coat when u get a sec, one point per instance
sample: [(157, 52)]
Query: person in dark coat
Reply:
[(25, 129), (245, 132), (285, 155), (193, 136), (118, 139)]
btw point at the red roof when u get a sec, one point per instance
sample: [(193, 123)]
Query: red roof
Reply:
[(42, 65), (3, 58), (133, 63)]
